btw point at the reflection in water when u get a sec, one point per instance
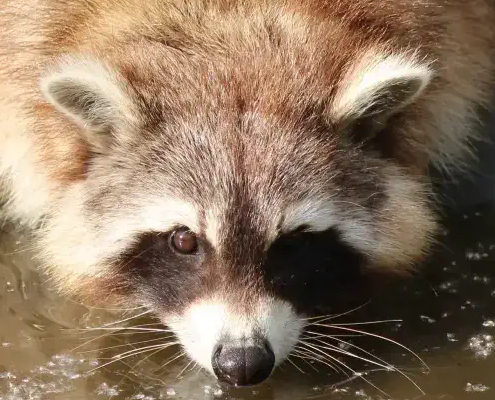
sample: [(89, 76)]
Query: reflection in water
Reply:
[(53, 348)]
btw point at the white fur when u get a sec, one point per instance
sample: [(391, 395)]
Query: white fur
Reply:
[(351, 221), (213, 226), (94, 82), (204, 324), (19, 173), (85, 246), (370, 77)]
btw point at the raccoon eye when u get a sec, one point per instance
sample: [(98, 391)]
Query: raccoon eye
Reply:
[(184, 241)]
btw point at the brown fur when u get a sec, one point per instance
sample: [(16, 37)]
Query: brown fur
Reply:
[(323, 36)]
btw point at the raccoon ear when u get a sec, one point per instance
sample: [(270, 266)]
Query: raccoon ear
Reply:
[(89, 94), (375, 91)]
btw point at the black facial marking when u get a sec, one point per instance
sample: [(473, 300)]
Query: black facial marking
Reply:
[(313, 270), (154, 269)]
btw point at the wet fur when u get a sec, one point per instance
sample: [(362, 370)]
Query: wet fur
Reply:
[(238, 119)]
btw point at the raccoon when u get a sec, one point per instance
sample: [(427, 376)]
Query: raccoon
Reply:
[(236, 166)]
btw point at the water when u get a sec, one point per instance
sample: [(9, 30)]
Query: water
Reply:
[(447, 312)]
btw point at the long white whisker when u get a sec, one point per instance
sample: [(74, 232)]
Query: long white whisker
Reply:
[(370, 322), (379, 337), (295, 366), (305, 359), (346, 366), (337, 349), (328, 363), (333, 316), (392, 367), (127, 319), (129, 355), (92, 340), (125, 345), (140, 362), (181, 354), (183, 369), (154, 346), (121, 328)]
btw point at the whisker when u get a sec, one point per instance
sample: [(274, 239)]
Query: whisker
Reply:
[(379, 337), (125, 345), (154, 346), (295, 365), (127, 356), (106, 308), (169, 360), (118, 332), (390, 366), (305, 359), (127, 319), (140, 362), (329, 363), (322, 335), (333, 316), (192, 368), (92, 340), (120, 328), (183, 369), (360, 375), (348, 353), (385, 321)]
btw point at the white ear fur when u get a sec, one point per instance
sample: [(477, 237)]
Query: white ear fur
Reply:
[(380, 88), (88, 93)]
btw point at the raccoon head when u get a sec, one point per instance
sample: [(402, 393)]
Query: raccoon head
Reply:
[(236, 201)]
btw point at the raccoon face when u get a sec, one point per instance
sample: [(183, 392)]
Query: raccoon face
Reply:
[(234, 208)]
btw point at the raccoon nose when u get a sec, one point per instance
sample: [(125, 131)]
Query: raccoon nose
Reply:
[(243, 366)]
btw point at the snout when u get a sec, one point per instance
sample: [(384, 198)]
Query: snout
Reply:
[(243, 365), (240, 347)]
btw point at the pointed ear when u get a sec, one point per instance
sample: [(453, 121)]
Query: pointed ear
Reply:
[(89, 94), (376, 90)]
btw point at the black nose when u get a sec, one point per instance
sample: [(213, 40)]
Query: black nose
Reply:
[(243, 366)]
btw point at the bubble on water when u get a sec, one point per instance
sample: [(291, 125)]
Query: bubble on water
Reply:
[(105, 390), (218, 392), (482, 345), (361, 393), (142, 396), (425, 318), (344, 346), (482, 278), (471, 255), (449, 286), (476, 387), (171, 392), (451, 337), (207, 389), (470, 304), (342, 390), (489, 323)]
